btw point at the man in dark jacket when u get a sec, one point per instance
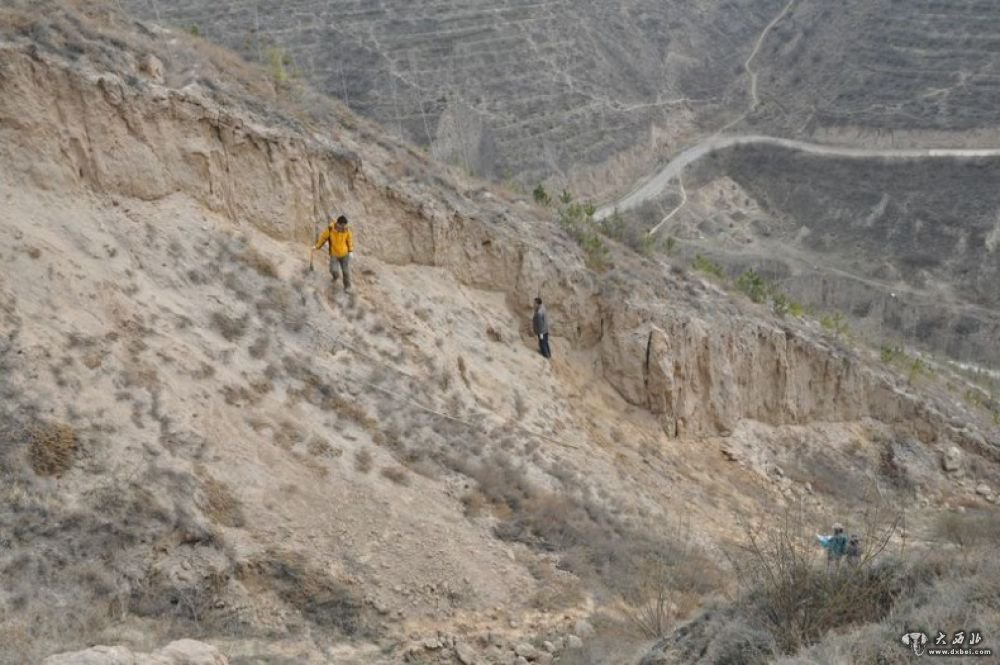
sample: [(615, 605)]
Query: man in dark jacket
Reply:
[(540, 326)]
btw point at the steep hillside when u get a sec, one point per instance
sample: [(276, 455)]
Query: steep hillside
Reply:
[(201, 438), (517, 89)]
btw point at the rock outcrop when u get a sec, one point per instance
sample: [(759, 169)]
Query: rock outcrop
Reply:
[(181, 652)]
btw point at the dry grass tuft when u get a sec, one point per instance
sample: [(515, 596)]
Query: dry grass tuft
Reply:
[(229, 327), (321, 448), (221, 506), (260, 263), (396, 474), (321, 599), (363, 460), (53, 448)]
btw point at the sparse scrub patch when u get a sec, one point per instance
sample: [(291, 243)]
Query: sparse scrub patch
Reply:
[(396, 474), (464, 372), (204, 371), (52, 447), (578, 221), (263, 266), (753, 285), (231, 328), (221, 506), (835, 323), (541, 196), (363, 461), (321, 599), (968, 530), (321, 448), (629, 235), (707, 266), (593, 540), (279, 304), (798, 598), (258, 349), (279, 65)]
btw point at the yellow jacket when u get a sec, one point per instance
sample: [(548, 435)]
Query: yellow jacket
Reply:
[(341, 242)]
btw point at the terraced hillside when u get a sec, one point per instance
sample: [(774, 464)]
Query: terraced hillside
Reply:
[(907, 247), (522, 88), (884, 65)]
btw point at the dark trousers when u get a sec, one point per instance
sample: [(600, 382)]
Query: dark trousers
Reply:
[(342, 264), (543, 345)]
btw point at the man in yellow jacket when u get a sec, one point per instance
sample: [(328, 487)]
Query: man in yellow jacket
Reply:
[(341, 247)]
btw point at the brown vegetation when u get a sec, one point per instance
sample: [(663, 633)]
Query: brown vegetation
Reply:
[(52, 447)]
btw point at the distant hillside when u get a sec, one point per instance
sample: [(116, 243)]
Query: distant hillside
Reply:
[(883, 65), (517, 88)]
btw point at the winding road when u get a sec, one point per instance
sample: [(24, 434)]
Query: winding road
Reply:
[(652, 188)]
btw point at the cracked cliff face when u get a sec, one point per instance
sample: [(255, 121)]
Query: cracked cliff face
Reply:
[(702, 375)]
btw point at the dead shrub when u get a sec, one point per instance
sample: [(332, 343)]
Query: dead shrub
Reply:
[(464, 372), (321, 448), (204, 371), (968, 530), (363, 461), (221, 506), (520, 408), (258, 349), (799, 598), (229, 327), (52, 447), (279, 304), (493, 334), (396, 474), (321, 599), (258, 262), (354, 412), (475, 503), (593, 540)]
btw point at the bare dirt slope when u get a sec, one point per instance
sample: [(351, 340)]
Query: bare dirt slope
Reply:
[(200, 438)]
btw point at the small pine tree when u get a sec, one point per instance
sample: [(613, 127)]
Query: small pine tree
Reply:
[(541, 196)]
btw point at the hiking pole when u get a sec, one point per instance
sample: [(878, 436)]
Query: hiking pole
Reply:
[(312, 250)]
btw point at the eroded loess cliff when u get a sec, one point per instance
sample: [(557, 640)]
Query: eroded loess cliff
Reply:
[(702, 375)]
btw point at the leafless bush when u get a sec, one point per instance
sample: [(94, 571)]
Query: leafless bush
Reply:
[(363, 461), (464, 372), (396, 474), (52, 447), (258, 349), (322, 448), (799, 598), (280, 304), (258, 262), (321, 599), (230, 328), (968, 531), (221, 506), (520, 408), (648, 604), (204, 371)]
